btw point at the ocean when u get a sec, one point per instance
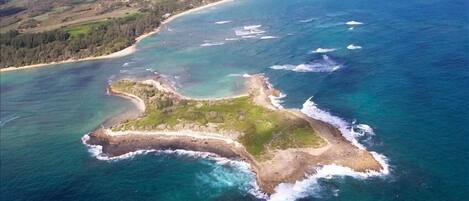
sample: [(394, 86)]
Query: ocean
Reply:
[(394, 75)]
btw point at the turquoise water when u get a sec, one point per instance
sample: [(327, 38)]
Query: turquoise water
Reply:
[(409, 82)]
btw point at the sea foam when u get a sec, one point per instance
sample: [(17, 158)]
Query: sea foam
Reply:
[(310, 186), (323, 50), (211, 44), (269, 37), (352, 23), (307, 20), (4, 122), (325, 64), (223, 22), (97, 152), (353, 47), (249, 30)]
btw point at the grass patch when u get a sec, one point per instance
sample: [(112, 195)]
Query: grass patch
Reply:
[(262, 129), (84, 28)]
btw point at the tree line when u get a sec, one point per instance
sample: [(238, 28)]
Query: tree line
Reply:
[(20, 49)]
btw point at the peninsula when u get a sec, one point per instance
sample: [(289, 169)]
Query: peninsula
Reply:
[(281, 145)]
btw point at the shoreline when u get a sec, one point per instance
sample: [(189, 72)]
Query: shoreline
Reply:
[(281, 166), (121, 53)]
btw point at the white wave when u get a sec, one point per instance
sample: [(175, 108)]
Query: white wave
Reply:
[(347, 130), (322, 65), (245, 75), (323, 50), (4, 122), (277, 100), (232, 39), (351, 28), (268, 37), (125, 64), (363, 129), (252, 27), (97, 152), (352, 23), (211, 44), (310, 109), (353, 47), (223, 22), (248, 32), (310, 186), (248, 36), (307, 20)]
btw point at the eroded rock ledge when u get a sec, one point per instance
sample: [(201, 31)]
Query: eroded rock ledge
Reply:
[(280, 145)]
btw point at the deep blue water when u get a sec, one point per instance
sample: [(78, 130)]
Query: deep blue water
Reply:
[(409, 82)]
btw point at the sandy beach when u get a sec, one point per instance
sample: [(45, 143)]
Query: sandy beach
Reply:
[(124, 52), (281, 166)]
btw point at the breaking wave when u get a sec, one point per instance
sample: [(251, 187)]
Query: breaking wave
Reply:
[(245, 75), (277, 100), (223, 22), (232, 39), (353, 23), (249, 30), (211, 44), (248, 36), (97, 152), (252, 27), (268, 37), (323, 50), (310, 186), (353, 47), (4, 122), (325, 64), (307, 20)]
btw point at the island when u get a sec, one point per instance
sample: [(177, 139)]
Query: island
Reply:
[(280, 145)]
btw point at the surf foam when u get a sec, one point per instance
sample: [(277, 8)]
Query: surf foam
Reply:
[(307, 20), (325, 64), (353, 47), (249, 30), (97, 152), (268, 37), (277, 100), (211, 44), (323, 50), (223, 22), (352, 23), (347, 130), (311, 186)]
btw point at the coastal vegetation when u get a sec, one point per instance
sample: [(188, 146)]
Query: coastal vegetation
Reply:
[(261, 129), (99, 36)]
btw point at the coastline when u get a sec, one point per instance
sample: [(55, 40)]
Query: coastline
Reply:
[(282, 166), (124, 52)]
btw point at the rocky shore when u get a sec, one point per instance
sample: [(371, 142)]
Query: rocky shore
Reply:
[(275, 167)]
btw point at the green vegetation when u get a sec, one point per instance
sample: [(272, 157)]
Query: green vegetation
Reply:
[(85, 28), (92, 38), (262, 129)]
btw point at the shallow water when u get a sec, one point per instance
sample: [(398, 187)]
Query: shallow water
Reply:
[(409, 82)]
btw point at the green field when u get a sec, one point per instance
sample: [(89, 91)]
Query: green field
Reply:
[(263, 129), (84, 28)]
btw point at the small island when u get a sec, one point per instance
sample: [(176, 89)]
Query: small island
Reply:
[(281, 145)]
